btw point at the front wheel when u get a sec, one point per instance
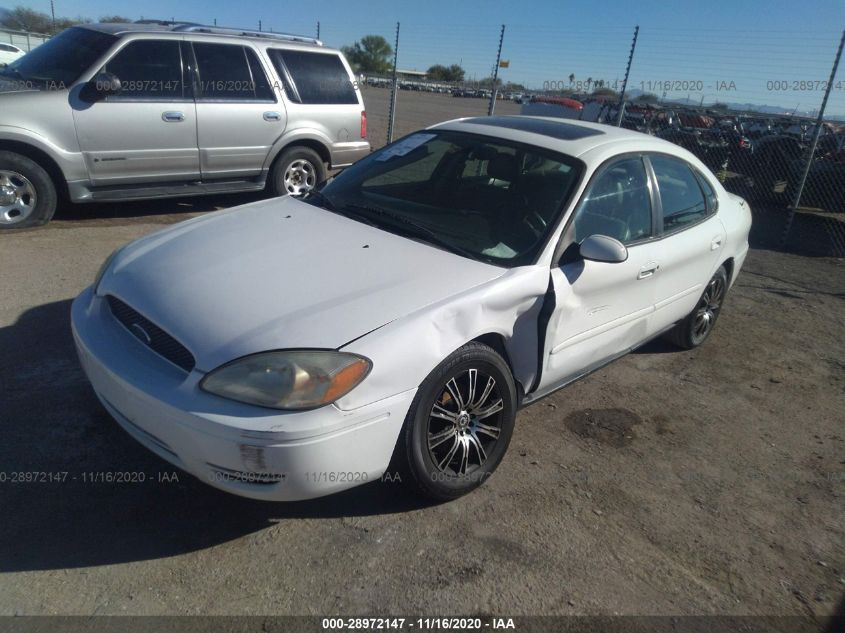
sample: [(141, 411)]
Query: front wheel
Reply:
[(27, 193), (460, 423), (696, 327), (296, 172)]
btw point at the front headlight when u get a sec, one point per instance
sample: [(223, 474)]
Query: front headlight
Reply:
[(104, 267), (296, 379)]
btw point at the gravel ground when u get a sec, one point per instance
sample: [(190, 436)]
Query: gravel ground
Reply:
[(705, 482)]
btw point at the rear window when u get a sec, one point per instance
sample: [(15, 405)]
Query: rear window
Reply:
[(314, 78)]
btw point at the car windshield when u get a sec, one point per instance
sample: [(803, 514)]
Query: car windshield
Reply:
[(477, 196), (61, 59)]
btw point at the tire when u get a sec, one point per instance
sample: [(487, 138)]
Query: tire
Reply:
[(698, 324), (440, 453), (27, 193), (296, 171)]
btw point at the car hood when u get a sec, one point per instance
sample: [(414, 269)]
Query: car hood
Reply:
[(280, 274)]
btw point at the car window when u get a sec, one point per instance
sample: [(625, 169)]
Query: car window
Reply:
[(709, 192), (7, 48), (485, 198), (63, 58), (680, 193), (314, 78), (148, 69), (617, 204), (228, 72)]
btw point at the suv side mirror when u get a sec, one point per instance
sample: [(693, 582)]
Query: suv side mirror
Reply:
[(601, 248), (104, 84)]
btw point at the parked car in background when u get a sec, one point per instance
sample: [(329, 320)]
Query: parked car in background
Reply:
[(408, 308), (112, 112), (9, 53)]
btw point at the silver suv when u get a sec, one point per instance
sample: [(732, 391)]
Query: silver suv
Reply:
[(108, 112)]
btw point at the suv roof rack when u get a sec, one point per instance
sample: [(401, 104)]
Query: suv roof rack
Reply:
[(222, 30)]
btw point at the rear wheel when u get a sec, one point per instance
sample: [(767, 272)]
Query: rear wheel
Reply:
[(296, 172), (697, 326), (460, 423), (27, 193)]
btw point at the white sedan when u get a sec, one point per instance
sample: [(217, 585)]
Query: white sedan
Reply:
[(9, 53), (291, 348)]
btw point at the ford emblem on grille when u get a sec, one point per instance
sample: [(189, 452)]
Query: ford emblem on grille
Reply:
[(141, 333)]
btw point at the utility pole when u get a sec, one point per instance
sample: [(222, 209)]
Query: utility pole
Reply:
[(318, 29), (53, 13), (392, 114), (621, 107), (494, 87)]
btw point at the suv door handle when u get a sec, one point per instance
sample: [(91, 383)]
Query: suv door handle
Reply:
[(648, 270), (272, 116), (716, 243), (172, 117)]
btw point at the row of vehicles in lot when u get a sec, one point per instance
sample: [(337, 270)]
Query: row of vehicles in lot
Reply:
[(402, 312)]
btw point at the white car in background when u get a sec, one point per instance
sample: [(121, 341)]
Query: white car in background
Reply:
[(9, 53), (291, 348)]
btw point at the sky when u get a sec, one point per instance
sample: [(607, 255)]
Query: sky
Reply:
[(776, 53)]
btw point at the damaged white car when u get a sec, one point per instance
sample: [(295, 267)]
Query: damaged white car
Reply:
[(291, 348)]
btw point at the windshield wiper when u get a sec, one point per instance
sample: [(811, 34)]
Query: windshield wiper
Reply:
[(324, 200), (413, 229)]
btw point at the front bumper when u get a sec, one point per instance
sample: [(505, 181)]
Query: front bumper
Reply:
[(242, 449)]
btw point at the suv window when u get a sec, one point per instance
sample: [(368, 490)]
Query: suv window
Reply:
[(148, 69), (63, 58), (617, 204), (313, 78), (680, 193), (228, 72)]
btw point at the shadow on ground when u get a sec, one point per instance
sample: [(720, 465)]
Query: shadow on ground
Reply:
[(171, 209), (52, 424)]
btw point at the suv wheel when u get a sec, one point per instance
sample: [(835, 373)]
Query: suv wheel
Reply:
[(27, 194), (296, 171)]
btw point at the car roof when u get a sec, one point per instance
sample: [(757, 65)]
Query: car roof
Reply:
[(567, 136), (120, 29)]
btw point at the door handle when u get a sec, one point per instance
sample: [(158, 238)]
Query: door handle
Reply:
[(172, 117), (648, 270), (716, 243), (272, 116)]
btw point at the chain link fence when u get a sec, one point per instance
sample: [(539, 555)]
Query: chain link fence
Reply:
[(747, 103)]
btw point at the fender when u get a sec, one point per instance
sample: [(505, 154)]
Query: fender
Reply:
[(297, 135), (405, 351), (70, 163)]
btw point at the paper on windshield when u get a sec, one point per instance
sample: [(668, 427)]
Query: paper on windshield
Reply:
[(406, 145)]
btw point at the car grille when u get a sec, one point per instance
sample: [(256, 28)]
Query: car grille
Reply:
[(157, 339)]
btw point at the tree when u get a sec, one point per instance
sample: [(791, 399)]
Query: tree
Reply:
[(370, 55), (115, 19), (24, 19), (571, 78), (647, 97), (605, 92), (453, 73)]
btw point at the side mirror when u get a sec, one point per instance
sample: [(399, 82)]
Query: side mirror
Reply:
[(601, 248), (103, 85)]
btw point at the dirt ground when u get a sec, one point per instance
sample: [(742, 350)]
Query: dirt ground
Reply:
[(705, 482)]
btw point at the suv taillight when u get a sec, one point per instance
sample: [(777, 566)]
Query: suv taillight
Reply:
[(363, 124)]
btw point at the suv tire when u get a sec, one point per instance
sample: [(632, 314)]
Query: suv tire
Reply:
[(296, 171), (27, 193)]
